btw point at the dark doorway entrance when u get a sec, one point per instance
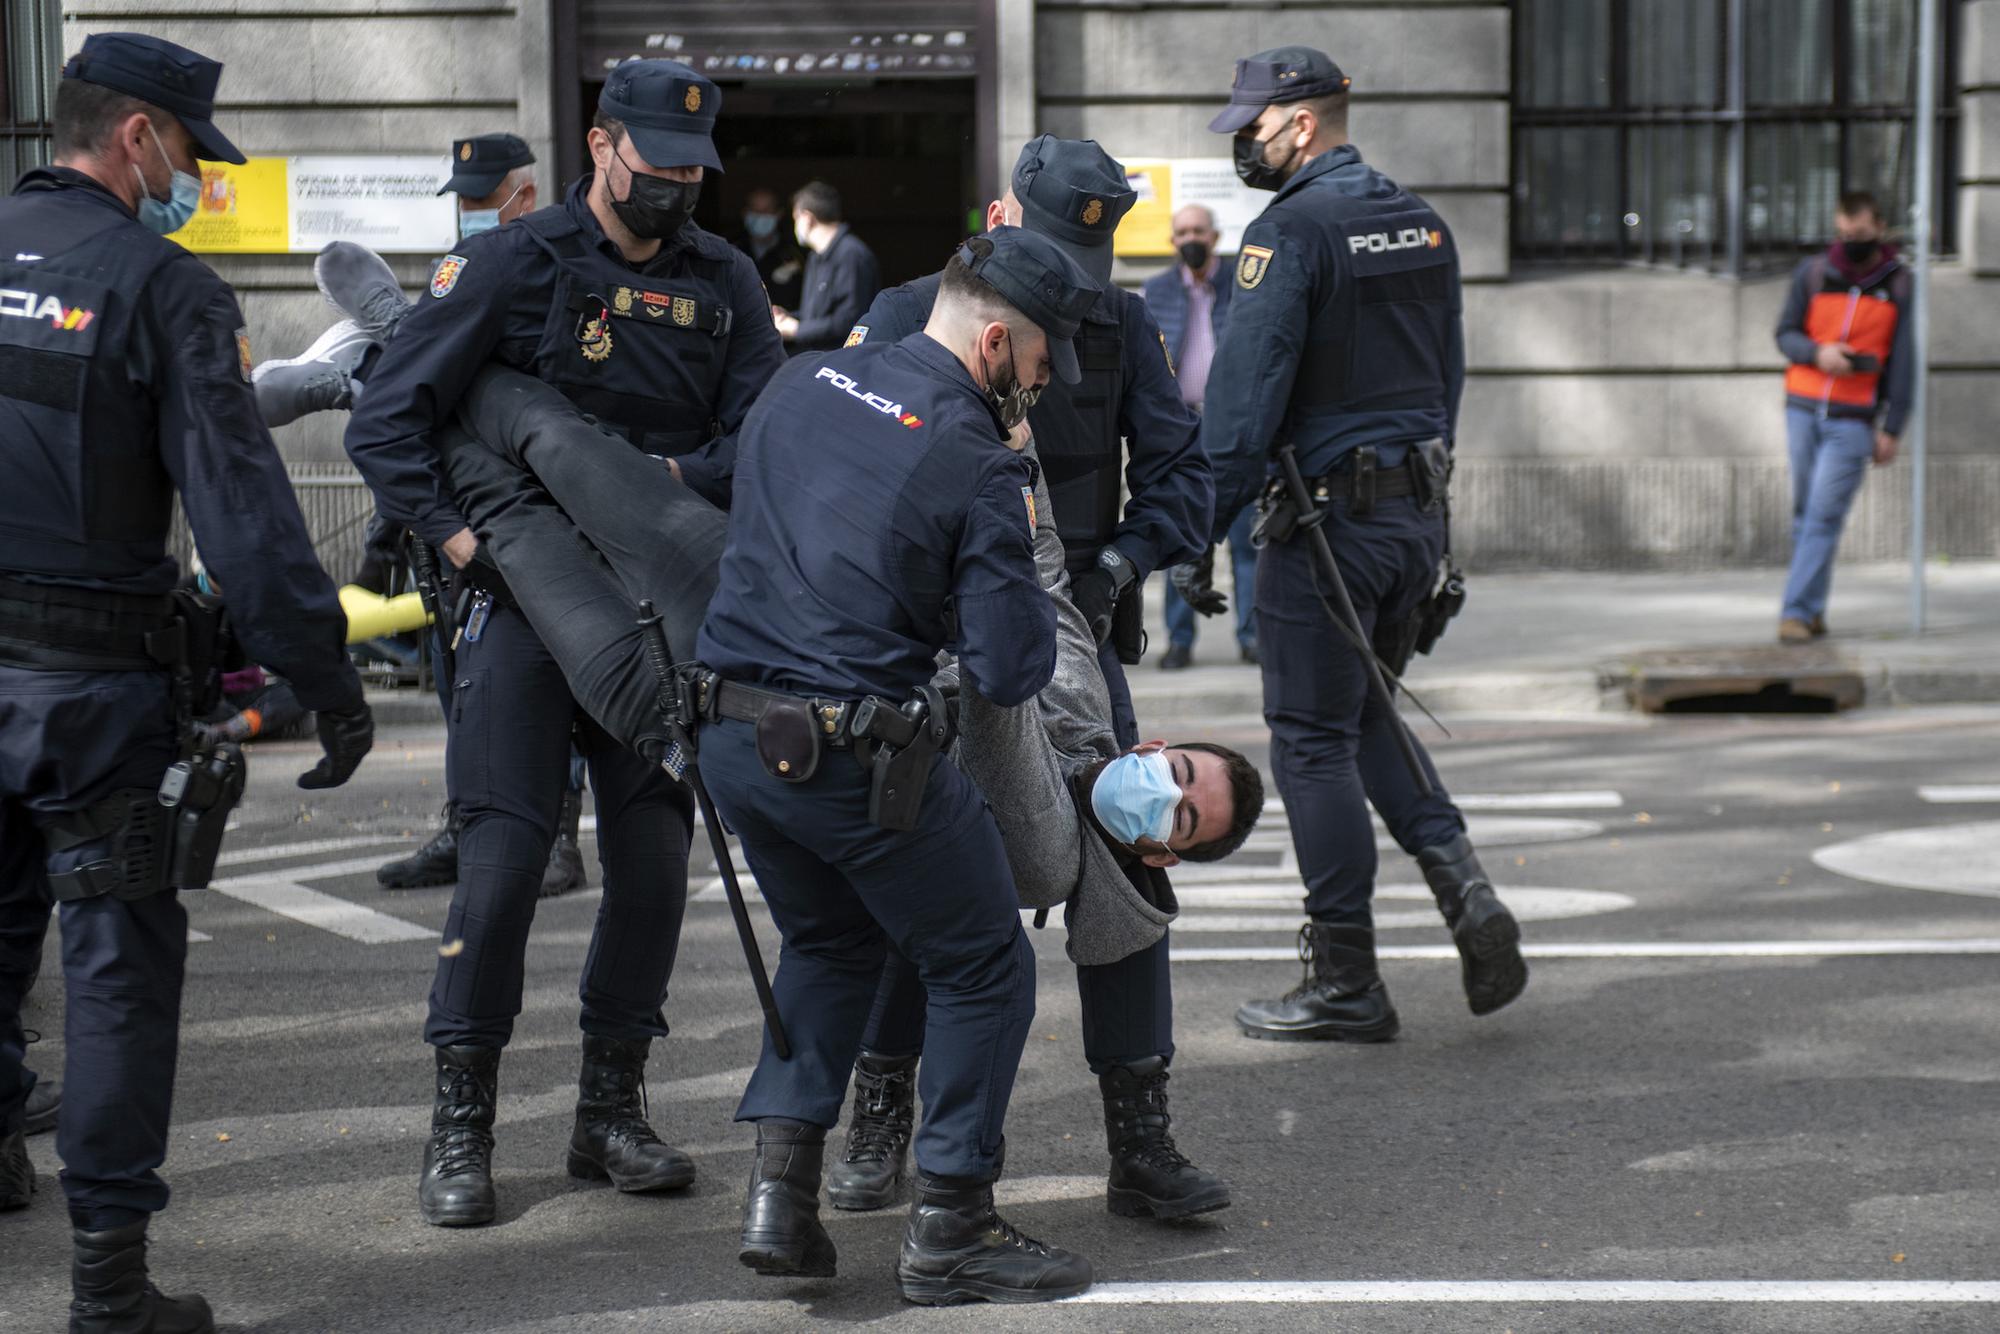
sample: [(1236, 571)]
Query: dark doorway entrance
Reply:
[(903, 155)]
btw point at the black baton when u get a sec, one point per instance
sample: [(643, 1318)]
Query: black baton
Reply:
[(1311, 519), (656, 652)]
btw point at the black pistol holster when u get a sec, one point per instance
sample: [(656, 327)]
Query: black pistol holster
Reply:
[(166, 837), (896, 745)]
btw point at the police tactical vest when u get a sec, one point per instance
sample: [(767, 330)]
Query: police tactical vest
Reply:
[(642, 353), (1078, 442), (1374, 346), (83, 493)]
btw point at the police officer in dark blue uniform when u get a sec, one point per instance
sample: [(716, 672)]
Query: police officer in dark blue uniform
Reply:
[(124, 378), (659, 331), (881, 516), (1345, 340), (1125, 414)]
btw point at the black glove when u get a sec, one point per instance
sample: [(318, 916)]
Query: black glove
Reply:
[(1096, 591), (1196, 585), (345, 735)]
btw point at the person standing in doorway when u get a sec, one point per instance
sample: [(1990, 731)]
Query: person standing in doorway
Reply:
[(842, 276)]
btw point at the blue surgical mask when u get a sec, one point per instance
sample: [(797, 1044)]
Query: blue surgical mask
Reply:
[(168, 215), (477, 220), (762, 226), (1135, 797)]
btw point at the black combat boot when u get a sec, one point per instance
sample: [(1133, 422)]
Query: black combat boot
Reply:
[(17, 1174), (1149, 1176), (565, 869), (782, 1234), (1487, 936), (457, 1185), (435, 863), (957, 1248), (43, 1109), (870, 1174), (110, 1293), (612, 1138), (1340, 999)]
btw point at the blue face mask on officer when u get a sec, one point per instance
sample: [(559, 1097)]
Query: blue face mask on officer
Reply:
[(473, 221), (1135, 796), (168, 215)]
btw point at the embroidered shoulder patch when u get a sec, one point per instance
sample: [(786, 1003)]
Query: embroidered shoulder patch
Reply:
[(243, 353), (855, 335), (1252, 265), (446, 276), (1028, 495)]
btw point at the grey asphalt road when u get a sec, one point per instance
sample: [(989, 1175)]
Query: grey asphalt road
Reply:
[(1656, 1109)]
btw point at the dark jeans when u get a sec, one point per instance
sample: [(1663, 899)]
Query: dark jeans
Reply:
[(840, 890), (1333, 750), (68, 740)]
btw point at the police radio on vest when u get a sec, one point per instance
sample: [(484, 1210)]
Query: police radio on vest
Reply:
[(1378, 243)]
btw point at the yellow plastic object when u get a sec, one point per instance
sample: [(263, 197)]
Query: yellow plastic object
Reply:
[(372, 616)]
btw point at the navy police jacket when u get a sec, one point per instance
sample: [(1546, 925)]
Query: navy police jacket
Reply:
[(669, 354), (879, 517), (1345, 330), (1127, 395), (124, 378)]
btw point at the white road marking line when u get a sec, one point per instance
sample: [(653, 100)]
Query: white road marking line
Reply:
[(272, 852), (283, 892), (1365, 1293), (1211, 907), (197, 938), (1947, 859), (1583, 800), (1639, 949), (1960, 794)]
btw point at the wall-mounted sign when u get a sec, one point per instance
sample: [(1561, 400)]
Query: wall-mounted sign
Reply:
[(1166, 185), (280, 205)]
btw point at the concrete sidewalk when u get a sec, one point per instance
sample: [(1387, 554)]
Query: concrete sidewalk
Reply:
[(1554, 642)]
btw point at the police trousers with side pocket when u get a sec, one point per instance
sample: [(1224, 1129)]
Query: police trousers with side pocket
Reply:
[(1333, 744), (67, 741), (842, 891)]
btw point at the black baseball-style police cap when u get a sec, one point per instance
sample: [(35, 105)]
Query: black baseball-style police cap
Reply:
[(1038, 278), (1073, 192), (668, 110), (169, 77), (1282, 74), (480, 163)]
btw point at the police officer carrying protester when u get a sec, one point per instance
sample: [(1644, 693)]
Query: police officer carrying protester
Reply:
[(1072, 192), (1345, 341), (124, 379), (880, 515), (660, 332)]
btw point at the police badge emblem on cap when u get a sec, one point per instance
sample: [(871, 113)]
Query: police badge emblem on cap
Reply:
[(1093, 213)]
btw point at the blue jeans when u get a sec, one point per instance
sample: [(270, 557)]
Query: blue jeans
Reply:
[(1830, 456), (1243, 563)]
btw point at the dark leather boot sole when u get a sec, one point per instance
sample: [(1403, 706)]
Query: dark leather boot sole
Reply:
[(790, 1256), (956, 1291), (457, 1215), (863, 1197), (429, 880), (1382, 1030), (669, 1176), (1489, 952), (1137, 1204)]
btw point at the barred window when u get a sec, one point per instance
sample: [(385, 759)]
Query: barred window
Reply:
[(1717, 134), (30, 63)]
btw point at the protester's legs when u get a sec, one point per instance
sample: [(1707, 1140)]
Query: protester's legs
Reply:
[(1841, 452)]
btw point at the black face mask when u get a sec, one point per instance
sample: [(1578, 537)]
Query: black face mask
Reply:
[(654, 209), (1194, 254), (1857, 252), (1012, 400), (1252, 168)]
